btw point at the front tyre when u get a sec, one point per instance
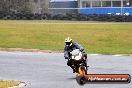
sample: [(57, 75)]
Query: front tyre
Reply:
[(81, 80)]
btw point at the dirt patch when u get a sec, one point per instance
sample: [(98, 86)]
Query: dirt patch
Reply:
[(29, 50), (130, 54)]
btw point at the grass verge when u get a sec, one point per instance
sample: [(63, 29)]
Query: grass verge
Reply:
[(96, 38)]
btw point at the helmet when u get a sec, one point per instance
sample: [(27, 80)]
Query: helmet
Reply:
[(68, 41)]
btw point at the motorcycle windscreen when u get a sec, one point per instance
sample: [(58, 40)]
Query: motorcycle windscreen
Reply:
[(77, 57)]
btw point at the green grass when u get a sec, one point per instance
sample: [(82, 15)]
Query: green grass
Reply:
[(6, 84), (96, 38)]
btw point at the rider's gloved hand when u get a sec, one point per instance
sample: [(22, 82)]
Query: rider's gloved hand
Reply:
[(66, 57), (81, 50), (84, 52)]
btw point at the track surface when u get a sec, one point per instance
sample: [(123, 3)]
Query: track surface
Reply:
[(48, 70)]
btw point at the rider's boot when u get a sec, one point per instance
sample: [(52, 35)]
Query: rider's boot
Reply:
[(74, 71), (73, 67)]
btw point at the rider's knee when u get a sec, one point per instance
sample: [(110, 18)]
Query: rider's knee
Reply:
[(69, 63)]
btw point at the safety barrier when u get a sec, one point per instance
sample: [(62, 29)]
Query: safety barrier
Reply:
[(78, 17)]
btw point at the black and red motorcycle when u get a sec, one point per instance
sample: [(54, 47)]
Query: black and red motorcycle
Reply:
[(79, 62)]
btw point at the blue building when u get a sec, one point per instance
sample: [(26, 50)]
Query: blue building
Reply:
[(117, 7)]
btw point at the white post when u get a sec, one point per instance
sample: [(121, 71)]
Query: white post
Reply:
[(121, 7), (39, 7)]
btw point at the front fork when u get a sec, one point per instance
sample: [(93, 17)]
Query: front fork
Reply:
[(85, 63)]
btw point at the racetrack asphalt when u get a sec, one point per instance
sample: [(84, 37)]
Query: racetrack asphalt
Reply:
[(49, 70)]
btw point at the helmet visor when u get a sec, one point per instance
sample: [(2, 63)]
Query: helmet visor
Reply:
[(68, 43)]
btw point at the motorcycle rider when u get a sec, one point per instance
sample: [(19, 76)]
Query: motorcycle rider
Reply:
[(69, 47)]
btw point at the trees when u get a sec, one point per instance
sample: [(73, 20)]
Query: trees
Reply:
[(33, 6), (14, 5)]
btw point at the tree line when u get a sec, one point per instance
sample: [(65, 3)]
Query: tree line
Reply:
[(31, 6)]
